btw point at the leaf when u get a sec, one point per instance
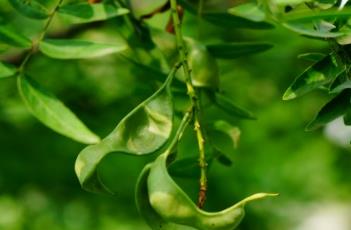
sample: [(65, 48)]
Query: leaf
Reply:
[(142, 131), (143, 8), (310, 15), (249, 11), (75, 49), (341, 87), (226, 20), (235, 50), (309, 31), (347, 117), (186, 167), (224, 160), (31, 9), (336, 107), (228, 106), (7, 70), (315, 76), (231, 131), (85, 12), (52, 112), (13, 38), (315, 57)]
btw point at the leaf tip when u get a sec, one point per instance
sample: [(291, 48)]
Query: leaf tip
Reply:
[(289, 95)]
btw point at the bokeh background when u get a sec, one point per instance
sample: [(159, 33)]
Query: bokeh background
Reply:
[(310, 170)]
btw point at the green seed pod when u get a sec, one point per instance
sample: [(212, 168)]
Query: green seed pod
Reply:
[(173, 205), (204, 67)]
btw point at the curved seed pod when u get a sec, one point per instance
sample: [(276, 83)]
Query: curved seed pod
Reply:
[(173, 205), (204, 68), (152, 218), (144, 130)]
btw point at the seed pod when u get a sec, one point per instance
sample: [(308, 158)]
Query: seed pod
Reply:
[(204, 67), (173, 205)]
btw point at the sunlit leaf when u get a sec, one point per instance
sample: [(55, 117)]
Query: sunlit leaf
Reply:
[(85, 12), (249, 11), (13, 38), (235, 50), (315, 76), (142, 8), (52, 112), (7, 70), (336, 107), (310, 15), (309, 31), (75, 49), (31, 9)]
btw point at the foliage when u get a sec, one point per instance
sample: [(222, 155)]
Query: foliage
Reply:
[(184, 82)]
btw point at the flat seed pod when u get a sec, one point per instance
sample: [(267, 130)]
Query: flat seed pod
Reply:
[(31, 9), (173, 205), (143, 131)]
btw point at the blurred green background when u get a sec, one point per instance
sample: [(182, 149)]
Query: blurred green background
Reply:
[(38, 187)]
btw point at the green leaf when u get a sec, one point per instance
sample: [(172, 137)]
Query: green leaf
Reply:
[(249, 11), (232, 109), (308, 30), (347, 117), (52, 112), (31, 9), (85, 12), (341, 87), (142, 8), (226, 20), (75, 49), (224, 160), (13, 38), (336, 107), (315, 57), (7, 70), (310, 15), (142, 131), (315, 76), (235, 50), (231, 131), (186, 167)]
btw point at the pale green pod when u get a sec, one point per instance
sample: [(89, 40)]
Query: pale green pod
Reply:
[(143, 131), (173, 205)]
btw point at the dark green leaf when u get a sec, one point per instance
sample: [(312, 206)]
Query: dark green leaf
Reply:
[(7, 70), (336, 107), (224, 160), (31, 9), (186, 167), (231, 131), (143, 131), (52, 112), (232, 109), (13, 38), (315, 57), (341, 87), (347, 117), (235, 50), (249, 11), (315, 76), (75, 49), (85, 12)]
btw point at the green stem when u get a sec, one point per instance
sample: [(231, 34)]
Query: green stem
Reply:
[(195, 104), (40, 38)]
